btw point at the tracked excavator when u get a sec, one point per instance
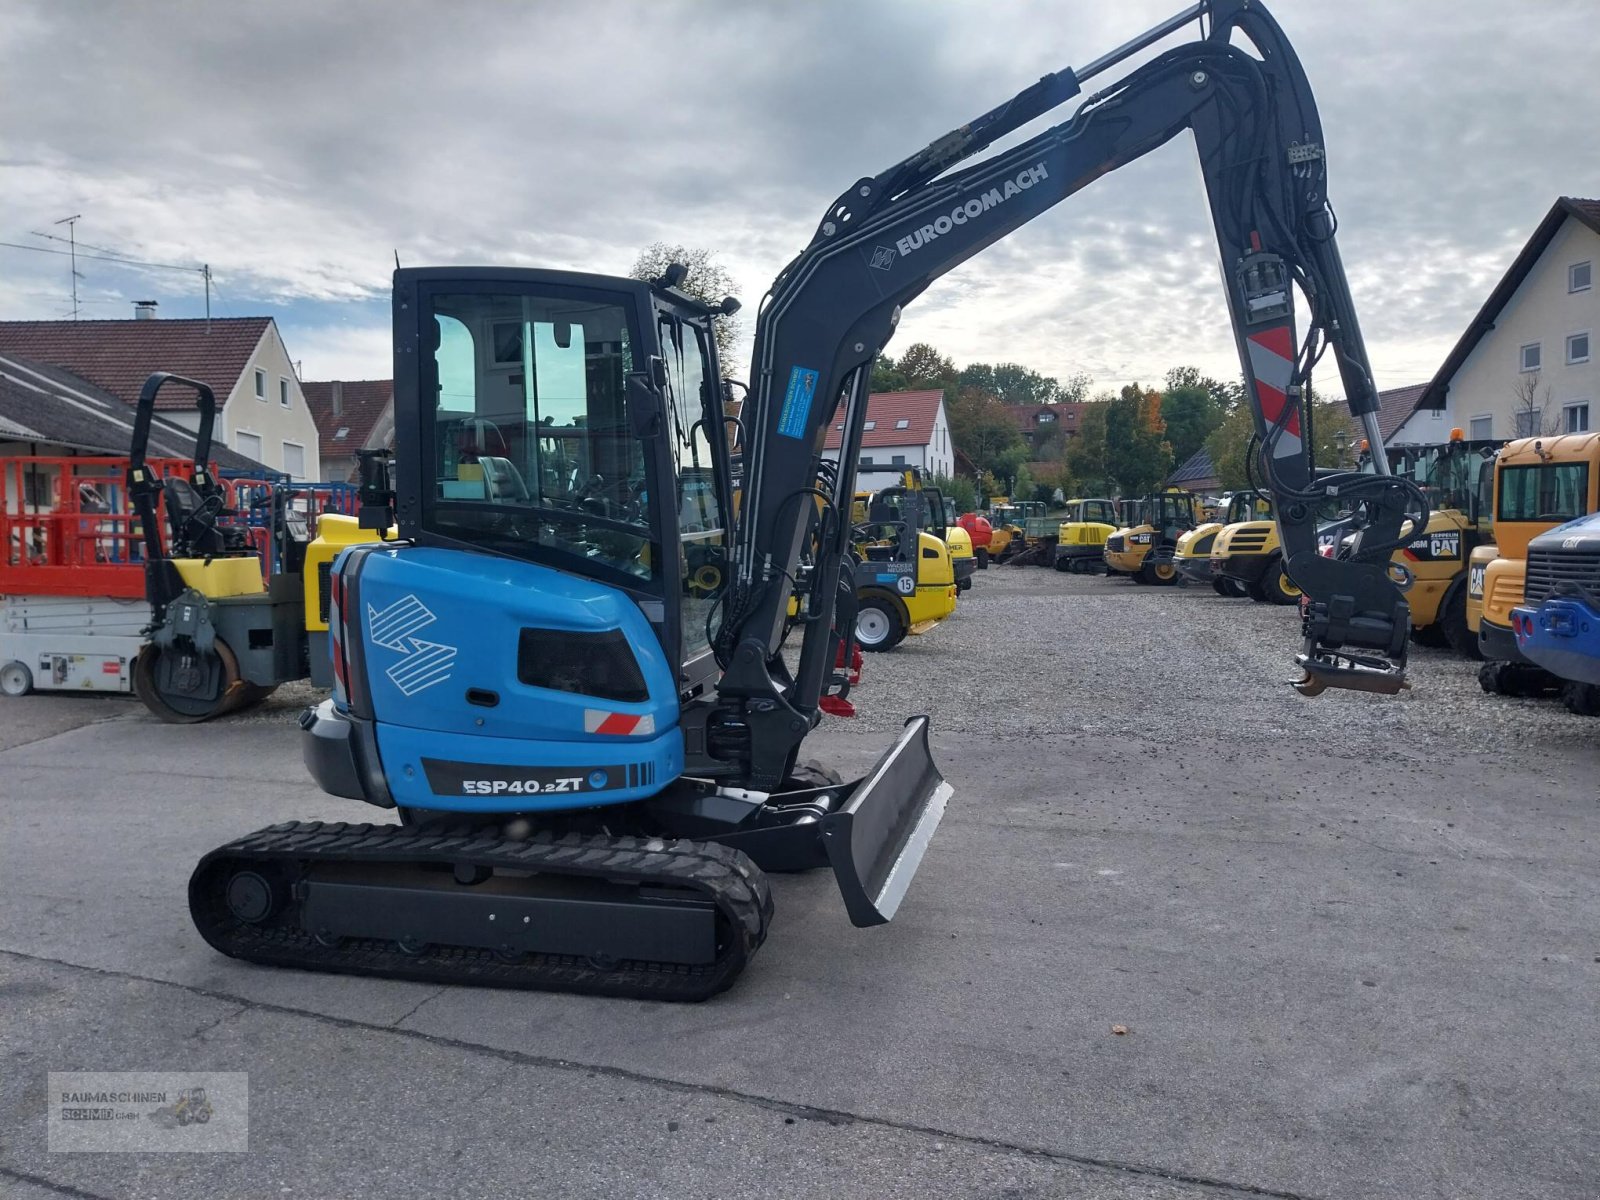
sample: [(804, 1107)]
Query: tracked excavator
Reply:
[(569, 676)]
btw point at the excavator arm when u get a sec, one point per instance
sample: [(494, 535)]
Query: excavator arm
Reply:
[(888, 237)]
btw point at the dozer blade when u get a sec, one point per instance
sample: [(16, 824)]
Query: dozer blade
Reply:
[(876, 841)]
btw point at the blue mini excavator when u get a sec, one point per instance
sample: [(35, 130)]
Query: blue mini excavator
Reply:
[(569, 675)]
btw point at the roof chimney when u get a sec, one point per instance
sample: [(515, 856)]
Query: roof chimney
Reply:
[(144, 310), (338, 397)]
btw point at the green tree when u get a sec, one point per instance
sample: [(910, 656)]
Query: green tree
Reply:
[(1138, 455), (982, 428), (1190, 413), (960, 491), (1227, 444), (1023, 485), (1086, 454), (707, 281), (886, 376), (924, 367), (1226, 396), (1014, 383)]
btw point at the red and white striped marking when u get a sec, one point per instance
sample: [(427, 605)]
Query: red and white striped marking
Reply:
[(1272, 365), (598, 720)]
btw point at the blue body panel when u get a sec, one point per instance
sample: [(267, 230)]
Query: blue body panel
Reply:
[(1562, 635), (437, 624)]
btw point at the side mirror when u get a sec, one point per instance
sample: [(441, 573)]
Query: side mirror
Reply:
[(644, 403), (375, 496)]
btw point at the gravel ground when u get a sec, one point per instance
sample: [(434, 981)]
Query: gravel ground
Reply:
[(1032, 651), (1236, 943)]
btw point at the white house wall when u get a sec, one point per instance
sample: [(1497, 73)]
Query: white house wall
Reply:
[(267, 418), (1540, 310)]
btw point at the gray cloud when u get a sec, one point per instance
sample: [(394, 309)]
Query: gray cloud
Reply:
[(294, 145)]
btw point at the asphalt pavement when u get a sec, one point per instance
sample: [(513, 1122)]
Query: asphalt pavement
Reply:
[(1343, 969)]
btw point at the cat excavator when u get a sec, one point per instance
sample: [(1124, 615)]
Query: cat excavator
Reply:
[(569, 674)]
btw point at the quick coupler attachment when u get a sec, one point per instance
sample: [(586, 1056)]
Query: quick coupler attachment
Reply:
[(876, 840), (1326, 669)]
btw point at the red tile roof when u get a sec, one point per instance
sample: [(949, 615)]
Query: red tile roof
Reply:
[(119, 355), (363, 403), (885, 410), (1068, 414), (1398, 404)]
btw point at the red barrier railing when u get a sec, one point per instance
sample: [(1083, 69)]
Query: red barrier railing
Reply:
[(68, 528)]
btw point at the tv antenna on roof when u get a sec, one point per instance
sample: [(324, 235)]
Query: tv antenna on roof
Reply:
[(72, 240)]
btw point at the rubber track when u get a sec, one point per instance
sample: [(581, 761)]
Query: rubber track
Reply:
[(740, 890)]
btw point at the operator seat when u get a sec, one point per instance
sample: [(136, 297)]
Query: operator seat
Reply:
[(502, 479), (192, 526)]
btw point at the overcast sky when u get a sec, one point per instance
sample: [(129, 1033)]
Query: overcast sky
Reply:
[(295, 146)]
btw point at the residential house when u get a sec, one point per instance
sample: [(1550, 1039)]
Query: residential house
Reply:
[(1041, 423), (351, 415), (1526, 363), (263, 413), (903, 429), (1397, 408)]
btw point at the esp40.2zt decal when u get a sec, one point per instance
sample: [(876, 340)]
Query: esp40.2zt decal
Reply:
[(482, 779)]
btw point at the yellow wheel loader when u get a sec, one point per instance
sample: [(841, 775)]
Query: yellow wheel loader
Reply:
[(1192, 555), (1145, 551), (1458, 479), (1539, 482)]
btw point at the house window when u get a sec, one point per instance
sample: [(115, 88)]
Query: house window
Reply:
[(1530, 357), (871, 425), (1482, 429), (38, 488), (866, 460), (1580, 277), (261, 385), (1046, 418), (248, 444), (903, 423), (1576, 418), (283, 391), (1526, 422), (1578, 348), (294, 460), (898, 460)]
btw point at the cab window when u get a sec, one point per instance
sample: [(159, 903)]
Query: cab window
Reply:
[(532, 452), (693, 408)]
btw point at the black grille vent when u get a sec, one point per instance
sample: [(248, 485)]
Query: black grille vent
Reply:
[(641, 774), (587, 664), (1115, 542), (325, 589), (1548, 570)]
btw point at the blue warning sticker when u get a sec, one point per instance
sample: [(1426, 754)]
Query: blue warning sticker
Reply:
[(797, 402)]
